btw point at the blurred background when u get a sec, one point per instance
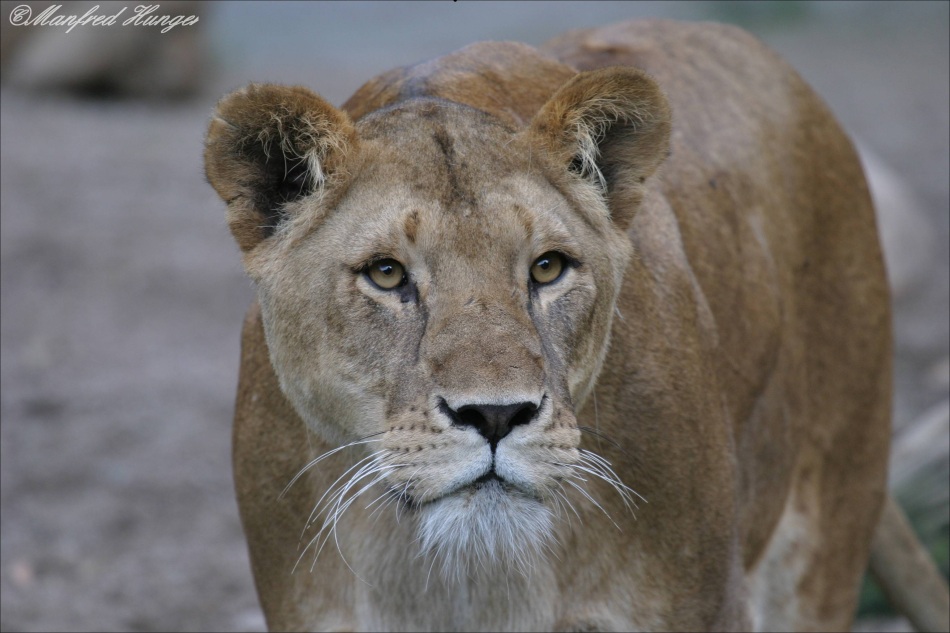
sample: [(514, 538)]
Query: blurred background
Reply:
[(122, 291)]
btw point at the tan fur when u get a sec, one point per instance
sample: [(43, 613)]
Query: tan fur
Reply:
[(723, 339)]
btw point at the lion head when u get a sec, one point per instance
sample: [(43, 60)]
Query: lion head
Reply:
[(437, 284)]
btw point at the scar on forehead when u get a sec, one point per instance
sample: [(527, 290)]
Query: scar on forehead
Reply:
[(525, 217), (412, 223)]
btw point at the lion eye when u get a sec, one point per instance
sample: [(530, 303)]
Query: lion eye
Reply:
[(547, 268), (387, 274)]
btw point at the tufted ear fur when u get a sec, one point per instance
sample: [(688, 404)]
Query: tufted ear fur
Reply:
[(269, 146), (611, 127)]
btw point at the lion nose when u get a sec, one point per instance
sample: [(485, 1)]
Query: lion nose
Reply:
[(493, 421)]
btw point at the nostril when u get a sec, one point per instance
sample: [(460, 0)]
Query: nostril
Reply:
[(493, 421), (470, 416), (524, 415)]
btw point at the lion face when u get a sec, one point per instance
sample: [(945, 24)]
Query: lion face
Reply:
[(437, 288)]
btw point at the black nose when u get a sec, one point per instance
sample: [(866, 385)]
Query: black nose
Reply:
[(493, 421)]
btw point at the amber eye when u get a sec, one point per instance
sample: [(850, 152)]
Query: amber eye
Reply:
[(547, 268), (387, 274)]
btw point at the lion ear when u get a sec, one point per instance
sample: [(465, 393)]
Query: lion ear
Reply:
[(269, 146), (610, 127)]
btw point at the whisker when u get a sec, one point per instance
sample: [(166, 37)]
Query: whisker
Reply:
[(339, 506), (404, 494), (563, 494), (314, 462), (333, 493), (340, 510), (596, 470), (591, 499), (396, 496), (317, 506), (387, 494), (367, 470), (431, 565), (599, 435), (560, 510), (607, 466), (605, 437), (600, 468)]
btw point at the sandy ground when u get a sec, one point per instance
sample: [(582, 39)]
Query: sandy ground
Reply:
[(122, 297)]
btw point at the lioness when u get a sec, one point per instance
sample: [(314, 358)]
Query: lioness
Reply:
[(594, 337)]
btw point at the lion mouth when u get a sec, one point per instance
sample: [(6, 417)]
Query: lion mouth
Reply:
[(492, 482), (490, 476), (488, 483)]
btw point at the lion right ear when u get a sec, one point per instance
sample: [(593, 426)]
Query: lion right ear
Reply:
[(611, 128), (269, 146)]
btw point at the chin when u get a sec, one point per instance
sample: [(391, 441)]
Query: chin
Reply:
[(488, 526)]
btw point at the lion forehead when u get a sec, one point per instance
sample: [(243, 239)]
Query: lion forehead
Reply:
[(433, 183), (441, 145), (516, 215)]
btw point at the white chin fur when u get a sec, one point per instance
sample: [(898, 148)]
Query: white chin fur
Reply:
[(488, 528)]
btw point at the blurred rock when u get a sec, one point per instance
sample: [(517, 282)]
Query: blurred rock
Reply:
[(107, 61)]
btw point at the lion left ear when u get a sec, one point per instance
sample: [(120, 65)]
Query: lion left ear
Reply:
[(267, 147), (611, 127)]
